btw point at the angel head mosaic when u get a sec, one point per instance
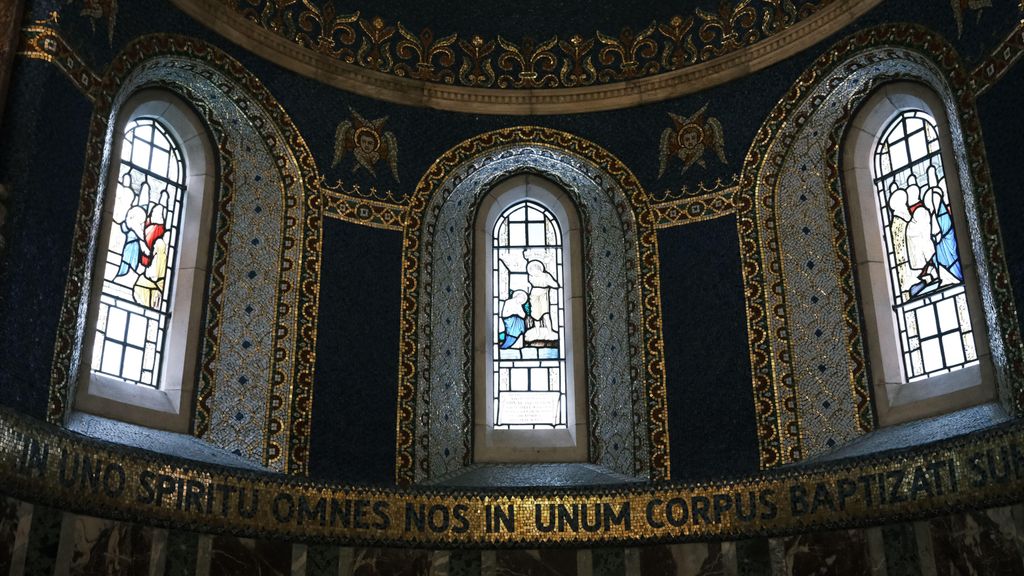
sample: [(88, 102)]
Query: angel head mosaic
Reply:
[(369, 143), (689, 140), (925, 271), (529, 319), (134, 302)]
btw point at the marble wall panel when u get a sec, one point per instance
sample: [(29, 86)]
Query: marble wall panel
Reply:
[(9, 519), (182, 548), (464, 563), (608, 561), (976, 543), (322, 560), (43, 540), (700, 559), (233, 556), (752, 558), (389, 562), (550, 562), (827, 553), (108, 547), (901, 554)]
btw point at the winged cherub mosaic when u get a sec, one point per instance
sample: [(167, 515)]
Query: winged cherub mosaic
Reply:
[(689, 139), (368, 142)]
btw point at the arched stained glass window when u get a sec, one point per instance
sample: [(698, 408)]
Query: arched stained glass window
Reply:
[(134, 304), (529, 347), (925, 271)]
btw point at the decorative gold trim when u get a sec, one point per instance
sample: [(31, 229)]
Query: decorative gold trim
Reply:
[(44, 464), (725, 56), (695, 209), (42, 42), (351, 208), (999, 61)]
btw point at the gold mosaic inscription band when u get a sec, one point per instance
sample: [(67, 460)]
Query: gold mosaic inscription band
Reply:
[(44, 464)]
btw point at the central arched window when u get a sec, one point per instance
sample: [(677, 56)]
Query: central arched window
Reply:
[(529, 362), (529, 317)]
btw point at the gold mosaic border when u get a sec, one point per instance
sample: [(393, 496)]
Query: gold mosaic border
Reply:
[(44, 464), (695, 209), (648, 268), (999, 61), (373, 213), (41, 42), (372, 58)]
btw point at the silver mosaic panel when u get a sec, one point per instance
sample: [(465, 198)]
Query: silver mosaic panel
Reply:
[(443, 408), (255, 252), (810, 266)]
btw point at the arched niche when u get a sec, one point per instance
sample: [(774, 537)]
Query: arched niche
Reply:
[(625, 394)]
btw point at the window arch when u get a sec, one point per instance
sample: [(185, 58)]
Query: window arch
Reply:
[(926, 334), (150, 267), (529, 373)]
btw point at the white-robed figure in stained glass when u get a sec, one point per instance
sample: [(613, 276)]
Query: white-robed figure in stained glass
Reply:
[(924, 264), (529, 319), (134, 300)]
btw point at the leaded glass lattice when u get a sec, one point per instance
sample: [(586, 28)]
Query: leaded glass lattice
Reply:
[(925, 272), (529, 380), (138, 274)]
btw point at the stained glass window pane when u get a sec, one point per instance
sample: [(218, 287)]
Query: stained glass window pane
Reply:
[(135, 295), (528, 300), (921, 247)]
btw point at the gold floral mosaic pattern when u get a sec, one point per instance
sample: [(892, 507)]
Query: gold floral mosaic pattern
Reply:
[(377, 44)]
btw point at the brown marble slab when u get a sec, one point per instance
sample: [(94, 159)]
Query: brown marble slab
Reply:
[(551, 562), (827, 553), (110, 548), (233, 556), (976, 543), (390, 561)]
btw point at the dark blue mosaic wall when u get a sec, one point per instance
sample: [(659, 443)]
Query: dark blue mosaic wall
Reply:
[(710, 399), (42, 152), (356, 382)]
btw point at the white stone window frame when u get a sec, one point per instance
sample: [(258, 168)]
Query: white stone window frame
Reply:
[(897, 401), (169, 406), (492, 445)]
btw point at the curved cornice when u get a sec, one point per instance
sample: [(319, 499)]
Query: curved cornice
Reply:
[(427, 73), (44, 464)]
